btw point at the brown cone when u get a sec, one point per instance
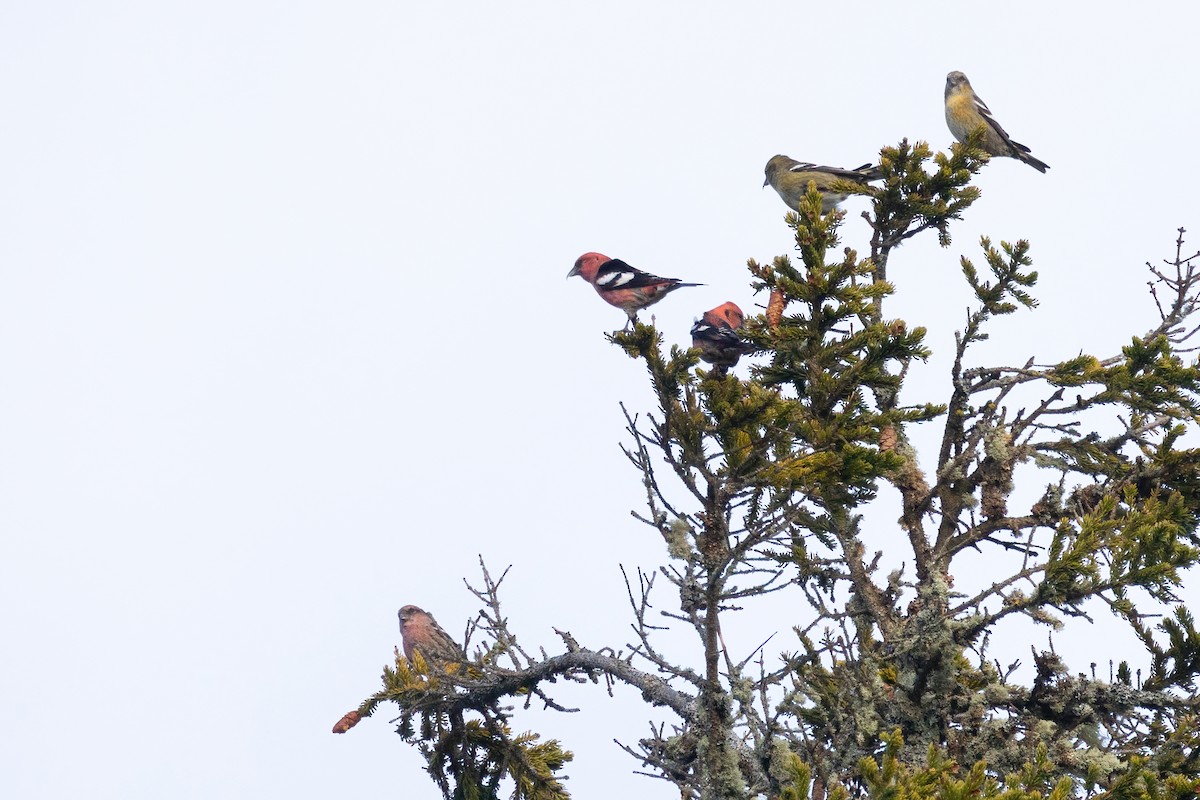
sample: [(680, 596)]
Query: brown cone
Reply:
[(347, 722), (775, 308)]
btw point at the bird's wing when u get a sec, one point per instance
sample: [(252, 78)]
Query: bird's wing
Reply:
[(865, 172), (721, 335), (986, 113), (616, 274)]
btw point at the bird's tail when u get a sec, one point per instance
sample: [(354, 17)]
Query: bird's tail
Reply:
[(1040, 166), (870, 172), (1022, 154)]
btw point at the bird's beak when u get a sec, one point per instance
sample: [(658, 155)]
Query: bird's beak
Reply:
[(765, 182), (574, 271)]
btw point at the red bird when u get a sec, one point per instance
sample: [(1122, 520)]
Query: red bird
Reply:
[(714, 336), (623, 286), (420, 631)]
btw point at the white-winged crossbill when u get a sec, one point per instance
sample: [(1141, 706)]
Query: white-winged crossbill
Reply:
[(790, 178), (623, 286), (714, 334), (420, 631), (965, 113)]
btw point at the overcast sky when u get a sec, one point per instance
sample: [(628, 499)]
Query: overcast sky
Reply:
[(285, 340)]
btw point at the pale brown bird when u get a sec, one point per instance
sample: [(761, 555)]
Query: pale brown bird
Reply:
[(965, 113), (420, 631)]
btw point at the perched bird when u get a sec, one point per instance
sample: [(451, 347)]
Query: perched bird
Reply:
[(714, 336), (965, 113), (420, 631), (790, 178), (621, 285)]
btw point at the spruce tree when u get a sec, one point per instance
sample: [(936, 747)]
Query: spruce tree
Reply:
[(758, 483)]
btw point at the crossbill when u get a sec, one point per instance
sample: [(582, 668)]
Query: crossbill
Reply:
[(966, 112), (714, 334), (623, 286), (419, 631), (790, 178)]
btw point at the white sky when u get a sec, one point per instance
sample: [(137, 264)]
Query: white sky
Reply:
[(285, 340)]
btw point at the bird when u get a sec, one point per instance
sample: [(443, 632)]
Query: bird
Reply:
[(790, 178), (623, 286), (714, 336), (966, 112), (419, 631)]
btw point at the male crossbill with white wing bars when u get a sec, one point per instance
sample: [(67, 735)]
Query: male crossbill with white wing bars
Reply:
[(623, 286), (714, 334)]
